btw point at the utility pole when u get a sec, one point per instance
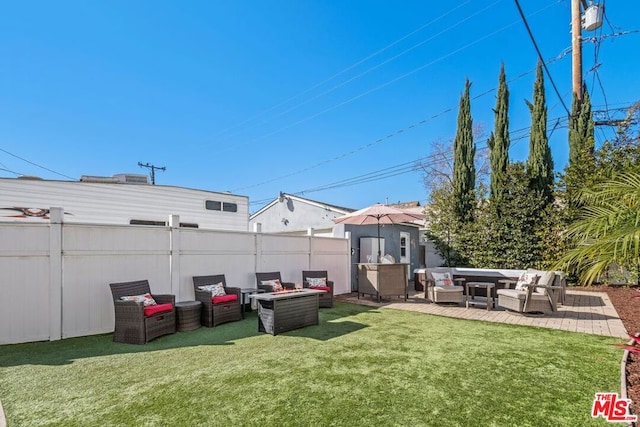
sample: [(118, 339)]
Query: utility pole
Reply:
[(576, 47), (592, 21), (153, 170)]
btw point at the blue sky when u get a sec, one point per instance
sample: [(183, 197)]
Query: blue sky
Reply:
[(257, 97)]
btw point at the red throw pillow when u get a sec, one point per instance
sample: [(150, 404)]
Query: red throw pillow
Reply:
[(158, 308), (224, 298), (322, 288)]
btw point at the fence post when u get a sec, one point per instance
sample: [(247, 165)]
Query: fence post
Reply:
[(347, 236), (310, 234), (55, 273), (174, 255), (257, 229)]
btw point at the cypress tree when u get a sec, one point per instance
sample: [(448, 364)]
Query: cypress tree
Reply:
[(539, 162), (581, 146), (581, 129), (499, 141), (464, 171)]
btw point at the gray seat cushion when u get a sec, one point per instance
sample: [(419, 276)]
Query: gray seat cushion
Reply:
[(513, 293), (438, 289)]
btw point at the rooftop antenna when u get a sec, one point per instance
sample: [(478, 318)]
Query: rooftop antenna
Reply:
[(153, 170)]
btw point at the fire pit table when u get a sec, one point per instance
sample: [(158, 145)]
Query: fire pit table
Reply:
[(284, 311)]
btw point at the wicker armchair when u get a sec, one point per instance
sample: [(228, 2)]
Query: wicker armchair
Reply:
[(542, 297), (443, 294), (132, 325), (326, 298), (274, 275), (217, 312)]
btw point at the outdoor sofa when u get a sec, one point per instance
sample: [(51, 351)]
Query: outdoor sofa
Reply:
[(501, 279)]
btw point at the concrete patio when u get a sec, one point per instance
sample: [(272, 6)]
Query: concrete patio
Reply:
[(583, 311)]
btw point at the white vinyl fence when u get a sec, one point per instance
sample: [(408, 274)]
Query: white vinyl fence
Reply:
[(54, 277)]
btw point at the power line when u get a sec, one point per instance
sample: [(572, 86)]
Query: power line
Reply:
[(387, 83), (526, 24), (407, 167), (601, 37), (393, 58), (389, 136), (6, 169), (37, 165), (411, 166), (9, 170), (350, 67), (403, 168)]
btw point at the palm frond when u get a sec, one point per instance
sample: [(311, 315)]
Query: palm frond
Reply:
[(608, 229)]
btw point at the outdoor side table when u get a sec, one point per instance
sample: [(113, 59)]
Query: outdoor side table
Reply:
[(248, 291), (471, 293), (188, 315)]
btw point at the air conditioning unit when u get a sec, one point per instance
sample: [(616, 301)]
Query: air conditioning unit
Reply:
[(131, 178)]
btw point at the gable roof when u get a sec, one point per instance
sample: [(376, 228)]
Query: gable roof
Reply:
[(330, 207)]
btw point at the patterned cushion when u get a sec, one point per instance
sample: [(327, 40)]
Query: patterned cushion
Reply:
[(216, 290), (526, 279), (442, 279), (274, 284), (224, 298), (314, 282), (158, 308), (145, 299)]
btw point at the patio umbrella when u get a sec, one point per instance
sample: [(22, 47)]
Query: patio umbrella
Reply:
[(378, 214)]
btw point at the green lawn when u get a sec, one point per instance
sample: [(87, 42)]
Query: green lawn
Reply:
[(359, 367)]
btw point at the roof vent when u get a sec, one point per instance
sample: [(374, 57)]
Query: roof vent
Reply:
[(121, 178), (98, 179), (131, 178)]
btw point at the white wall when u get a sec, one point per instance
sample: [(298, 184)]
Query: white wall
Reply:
[(90, 203), (54, 277), (295, 215)]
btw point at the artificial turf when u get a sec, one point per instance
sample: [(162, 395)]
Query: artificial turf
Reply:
[(360, 367)]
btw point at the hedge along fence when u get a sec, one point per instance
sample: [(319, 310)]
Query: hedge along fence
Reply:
[(54, 276)]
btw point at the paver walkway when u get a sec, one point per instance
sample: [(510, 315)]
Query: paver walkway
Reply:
[(587, 312)]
